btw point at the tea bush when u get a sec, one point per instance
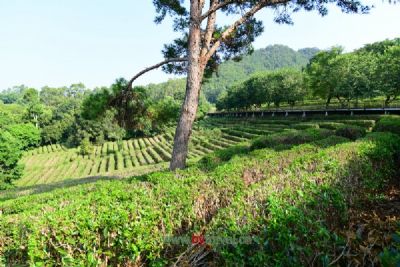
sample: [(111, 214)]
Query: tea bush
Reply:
[(289, 138), (290, 217), (388, 124), (305, 125), (331, 125), (351, 132), (330, 141)]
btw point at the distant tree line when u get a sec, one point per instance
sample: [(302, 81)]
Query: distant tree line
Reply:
[(264, 88), (372, 71), (70, 114)]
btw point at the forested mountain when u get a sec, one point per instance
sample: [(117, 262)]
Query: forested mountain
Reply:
[(269, 58)]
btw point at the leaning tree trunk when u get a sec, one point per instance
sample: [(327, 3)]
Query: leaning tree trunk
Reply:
[(193, 84)]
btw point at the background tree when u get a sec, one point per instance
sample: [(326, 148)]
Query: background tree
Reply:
[(285, 85), (86, 147), (164, 112), (365, 73), (355, 77), (276, 87), (10, 153), (379, 47), (387, 76), (321, 78), (13, 140), (200, 49), (27, 134), (13, 95)]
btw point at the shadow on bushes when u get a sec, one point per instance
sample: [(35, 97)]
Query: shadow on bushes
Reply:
[(322, 138), (299, 222)]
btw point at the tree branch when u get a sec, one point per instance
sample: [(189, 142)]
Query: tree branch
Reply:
[(169, 60), (244, 18), (215, 8), (209, 29), (237, 23)]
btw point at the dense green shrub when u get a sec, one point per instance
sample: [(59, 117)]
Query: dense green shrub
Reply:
[(10, 153), (13, 140), (358, 122), (330, 141), (27, 134), (305, 125), (351, 132), (388, 124), (289, 138), (214, 159), (330, 125), (86, 147), (164, 111)]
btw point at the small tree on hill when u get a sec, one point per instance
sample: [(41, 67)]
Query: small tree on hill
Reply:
[(86, 147), (204, 44)]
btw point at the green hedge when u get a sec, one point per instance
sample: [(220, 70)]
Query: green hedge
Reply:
[(289, 138), (351, 132), (330, 125), (388, 124), (305, 125)]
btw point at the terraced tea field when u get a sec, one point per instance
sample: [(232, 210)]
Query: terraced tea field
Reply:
[(55, 163)]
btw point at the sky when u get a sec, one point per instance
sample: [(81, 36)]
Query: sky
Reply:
[(57, 43)]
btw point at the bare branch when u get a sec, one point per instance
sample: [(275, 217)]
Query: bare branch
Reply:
[(169, 60)]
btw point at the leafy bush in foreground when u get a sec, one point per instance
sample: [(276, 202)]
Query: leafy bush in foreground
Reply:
[(290, 200), (214, 159), (291, 216), (391, 256)]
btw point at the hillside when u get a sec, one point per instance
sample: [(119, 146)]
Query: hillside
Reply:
[(270, 58), (56, 163)]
